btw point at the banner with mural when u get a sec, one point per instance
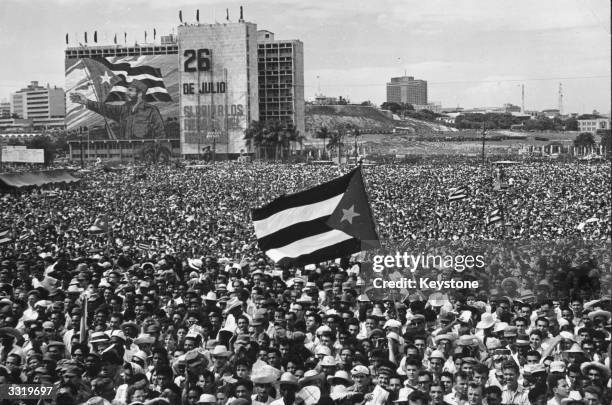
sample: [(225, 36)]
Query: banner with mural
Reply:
[(99, 97)]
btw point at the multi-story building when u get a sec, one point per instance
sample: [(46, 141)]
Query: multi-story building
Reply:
[(45, 106), (406, 89), (5, 109), (593, 124), (281, 80), (227, 101)]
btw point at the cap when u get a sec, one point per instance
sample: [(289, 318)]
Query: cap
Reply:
[(360, 370)]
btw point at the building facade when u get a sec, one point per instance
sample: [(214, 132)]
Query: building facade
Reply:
[(219, 94), (281, 80), (5, 109), (407, 90), (592, 125), (45, 106)]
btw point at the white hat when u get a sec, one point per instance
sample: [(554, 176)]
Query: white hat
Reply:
[(486, 321), (328, 361), (207, 399), (288, 378), (499, 327), (220, 351), (437, 354), (360, 370), (324, 350), (392, 323)]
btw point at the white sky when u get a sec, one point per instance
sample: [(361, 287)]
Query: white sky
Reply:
[(472, 52)]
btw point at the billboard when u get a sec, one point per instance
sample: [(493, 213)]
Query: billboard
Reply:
[(98, 97), (218, 86), (22, 155)]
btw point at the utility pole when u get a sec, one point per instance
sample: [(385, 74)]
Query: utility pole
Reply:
[(484, 132), (356, 133), (560, 99)]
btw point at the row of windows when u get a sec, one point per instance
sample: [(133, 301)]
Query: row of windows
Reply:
[(157, 50), (275, 45)]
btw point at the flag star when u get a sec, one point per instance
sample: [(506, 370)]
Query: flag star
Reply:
[(348, 215), (105, 78)]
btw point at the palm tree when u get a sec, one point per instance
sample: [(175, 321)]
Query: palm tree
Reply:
[(293, 136), (254, 137), (274, 135), (323, 133), (335, 141)]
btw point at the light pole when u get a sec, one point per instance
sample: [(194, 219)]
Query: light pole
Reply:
[(484, 132), (356, 133)]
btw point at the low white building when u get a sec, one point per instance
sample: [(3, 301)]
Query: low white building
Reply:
[(592, 125)]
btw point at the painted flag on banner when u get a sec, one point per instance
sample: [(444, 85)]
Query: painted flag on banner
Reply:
[(100, 225), (329, 221), (106, 80), (496, 216), (457, 193), (122, 72), (5, 236)]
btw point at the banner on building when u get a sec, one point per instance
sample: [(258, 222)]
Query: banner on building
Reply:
[(104, 82), (22, 155)]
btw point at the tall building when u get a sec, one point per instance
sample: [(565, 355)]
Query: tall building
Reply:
[(407, 90), (45, 106), (281, 80), (5, 109), (225, 97)]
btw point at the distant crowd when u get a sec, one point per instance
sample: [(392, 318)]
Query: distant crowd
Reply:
[(168, 300)]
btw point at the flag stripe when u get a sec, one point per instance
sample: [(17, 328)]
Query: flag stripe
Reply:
[(127, 69), (337, 250), (141, 77), (308, 245), (316, 194), (294, 232), (123, 89), (291, 216)]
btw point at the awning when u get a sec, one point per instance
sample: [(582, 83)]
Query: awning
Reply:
[(38, 179)]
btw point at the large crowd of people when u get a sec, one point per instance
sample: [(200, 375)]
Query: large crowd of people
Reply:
[(170, 301)]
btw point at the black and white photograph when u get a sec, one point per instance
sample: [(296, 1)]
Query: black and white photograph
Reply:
[(277, 202)]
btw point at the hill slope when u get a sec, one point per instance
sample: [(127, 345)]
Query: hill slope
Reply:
[(365, 118)]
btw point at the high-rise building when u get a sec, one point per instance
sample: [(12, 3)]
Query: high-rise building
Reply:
[(407, 90), (45, 106), (281, 80), (225, 97), (5, 109)]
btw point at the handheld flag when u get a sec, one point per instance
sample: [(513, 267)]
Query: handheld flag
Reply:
[(495, 217), (329, 221), (100, 225), (115, 39), (83, 325), (5, 236), (66, 39), (457, 193), (181, 16)]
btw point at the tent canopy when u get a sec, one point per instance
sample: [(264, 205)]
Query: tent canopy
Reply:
[(38, 179)]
